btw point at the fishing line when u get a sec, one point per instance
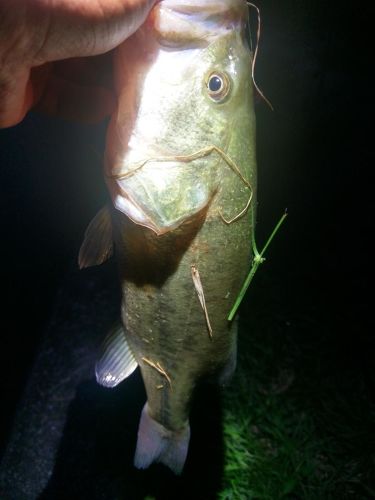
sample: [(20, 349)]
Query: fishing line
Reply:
[(256, 53)]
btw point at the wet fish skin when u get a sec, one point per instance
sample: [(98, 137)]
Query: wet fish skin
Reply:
[(172, 214)]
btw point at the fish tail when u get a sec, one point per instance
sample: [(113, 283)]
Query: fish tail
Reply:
[(157, 444)]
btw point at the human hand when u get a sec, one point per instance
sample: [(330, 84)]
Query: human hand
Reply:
[(44, 55)]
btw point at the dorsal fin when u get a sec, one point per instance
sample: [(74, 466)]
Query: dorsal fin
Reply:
[(97, 245), (117, 361)]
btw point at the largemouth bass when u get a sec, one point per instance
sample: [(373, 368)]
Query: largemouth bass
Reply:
[(181, 170)]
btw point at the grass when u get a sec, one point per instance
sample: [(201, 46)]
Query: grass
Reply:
[(298, 414)]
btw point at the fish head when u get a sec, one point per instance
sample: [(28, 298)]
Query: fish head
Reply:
[(183, 82)]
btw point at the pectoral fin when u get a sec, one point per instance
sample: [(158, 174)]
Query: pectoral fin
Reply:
[(97, 245), (117, 361)]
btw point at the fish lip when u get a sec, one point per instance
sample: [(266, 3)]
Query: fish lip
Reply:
[(194, 6), (121, 199), (195, 23), (127, 202), (147, 221), (132, 209)]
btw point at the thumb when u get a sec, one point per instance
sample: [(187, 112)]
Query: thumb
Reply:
[(16, 97)]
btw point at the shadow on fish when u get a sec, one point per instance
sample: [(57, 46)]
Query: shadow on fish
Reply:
[(181, 170)]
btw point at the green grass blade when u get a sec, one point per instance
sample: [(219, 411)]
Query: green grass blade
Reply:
[(258, 259)]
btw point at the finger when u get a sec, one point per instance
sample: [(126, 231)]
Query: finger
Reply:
[(46, 32), (16, 97), (87, 70), (72, 101), (77, 89), (84, 28)]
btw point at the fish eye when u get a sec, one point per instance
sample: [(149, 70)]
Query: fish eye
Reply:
[(218, 86)]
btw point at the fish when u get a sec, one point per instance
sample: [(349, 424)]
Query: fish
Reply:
[(180, 167)]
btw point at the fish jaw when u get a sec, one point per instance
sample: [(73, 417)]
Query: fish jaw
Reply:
[(162, 195), (186, 23)]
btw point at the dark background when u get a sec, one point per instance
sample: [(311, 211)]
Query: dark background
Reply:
[(315, 158)]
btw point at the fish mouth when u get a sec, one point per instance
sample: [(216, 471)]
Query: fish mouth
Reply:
[(196, 23), (162, 194)]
